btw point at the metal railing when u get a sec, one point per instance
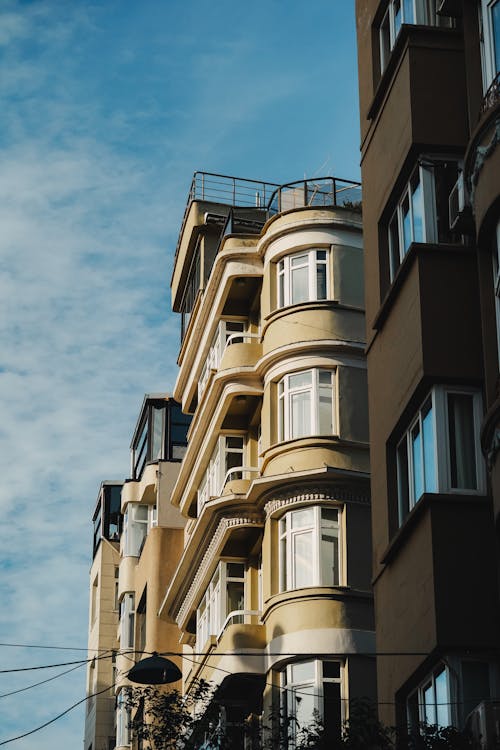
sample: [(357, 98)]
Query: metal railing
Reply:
[(492, 95), (320, 192), (238, 617)]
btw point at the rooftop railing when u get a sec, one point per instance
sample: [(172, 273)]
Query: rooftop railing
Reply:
[(320, 192)]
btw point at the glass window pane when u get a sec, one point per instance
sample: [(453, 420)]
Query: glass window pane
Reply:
[(281, 290), (321, 281), (302, 559), (408, 12), (157, 437), (301, 518), (495, 30), (301, 672), (403, 480), (325, 410), (397, 17), (299, 260), (300, 414), (407, 233), (300, 379), (300, 285), (332, 713), (475, 684), (325, 377), (235, 570), (321, 254), (417, 209), (331, 669), (429, 445), (329, 518), (394, 244), (235, 597), (462, 442), (329, 556), (232, 441), (442, 700), (304, 705), (429, 704), (416, 443)]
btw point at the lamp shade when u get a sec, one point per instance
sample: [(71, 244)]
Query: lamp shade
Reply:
[(154, 670)]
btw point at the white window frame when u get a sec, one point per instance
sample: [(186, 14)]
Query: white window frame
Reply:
[(135, 529), (287, 429), (314, 259), (488, 56), (127, 620), (212, 614), (218, 473), (426, 211), (227, 328), (411, 12), (291, 531), (294, 691), (123, 735), (428, 711), (439, 452)]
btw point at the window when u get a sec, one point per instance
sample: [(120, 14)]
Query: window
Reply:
[(135, 528), (496, 281), (127, 621), (161, 434), (440, 451), (490, 40), (122, 719), (226, 463), (431, 702), (312, 689), (303, 277), (117, 587), (223, 601), (94, 599), (309, 548), (191, 291), (227, 331), (306, 404), (141, 621), (422, 213), (408, 12)]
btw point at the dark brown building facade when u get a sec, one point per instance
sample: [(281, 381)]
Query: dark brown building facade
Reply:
[(430, 131)]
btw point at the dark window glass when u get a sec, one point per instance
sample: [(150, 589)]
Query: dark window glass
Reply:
[(332, 713), (445, 177), (462, 442)]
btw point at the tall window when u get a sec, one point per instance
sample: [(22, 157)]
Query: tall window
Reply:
[(227, 331), (431, 702), (490, 40), (226, 463), (422, 213), (440, 451), (408, 12), (122, 719), (309, 548), (303, 277), (496, 280), (312, 689), (223, 601), (127, 621), (135, 529), (306, 404)]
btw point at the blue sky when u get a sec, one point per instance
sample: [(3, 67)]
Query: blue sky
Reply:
[(106, 110)]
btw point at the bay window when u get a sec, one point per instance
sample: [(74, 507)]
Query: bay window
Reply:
[(401, 12), (127, 621), (422, 212), (309, 548), (490, 40), (303, 277), (227, 332), (431, 702), (306, 404), (135, 529), (122, 719), (223, 601), (440, 451), (226, 463), (312, 690)]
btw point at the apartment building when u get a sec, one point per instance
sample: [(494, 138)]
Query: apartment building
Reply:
[(430, 124), (103, 618), (272, 592), (138, 540)]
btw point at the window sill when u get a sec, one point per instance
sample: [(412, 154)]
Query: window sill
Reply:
[(415, 515)]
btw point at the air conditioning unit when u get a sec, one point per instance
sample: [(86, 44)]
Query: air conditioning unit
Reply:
[(456, 204), (483, 723)]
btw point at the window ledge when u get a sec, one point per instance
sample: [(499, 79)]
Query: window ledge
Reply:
[(415, 250), (420, 508)]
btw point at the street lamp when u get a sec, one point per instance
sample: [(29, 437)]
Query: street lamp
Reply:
[(154, 670)]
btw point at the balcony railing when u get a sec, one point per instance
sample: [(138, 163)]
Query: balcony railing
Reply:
[(492, 96), (239, 617), (322, 192)]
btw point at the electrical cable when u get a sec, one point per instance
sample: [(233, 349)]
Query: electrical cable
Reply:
[(42, 682), (51, 666), (59, 716)]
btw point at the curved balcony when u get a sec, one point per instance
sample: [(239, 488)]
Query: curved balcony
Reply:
[(319, 192), (312, 453), (482, 164), (144, 490)]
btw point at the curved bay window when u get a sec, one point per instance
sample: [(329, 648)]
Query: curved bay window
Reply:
[(309, 548), (306, 404), (303, 277)]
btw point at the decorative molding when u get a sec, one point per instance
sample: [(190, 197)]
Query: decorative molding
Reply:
[(203, 570), (314, 495)]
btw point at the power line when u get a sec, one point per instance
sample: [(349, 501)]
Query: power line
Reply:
[(59, 716), (42, 682), (51, 666)]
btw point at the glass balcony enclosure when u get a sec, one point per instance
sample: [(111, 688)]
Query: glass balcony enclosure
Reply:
[(107, 519), (160, 434)]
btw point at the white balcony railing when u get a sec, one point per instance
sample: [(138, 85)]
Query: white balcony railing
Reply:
[(239, 617)]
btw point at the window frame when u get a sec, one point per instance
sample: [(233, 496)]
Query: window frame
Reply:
[(216, 474), (287, 536), (314, 687), (489, 54), (285, 271), (287, 430), (127, 620), (218, 346), (123, 717), (440, 450), (496, 281), (417, 700), (135, 529), (211, 612)]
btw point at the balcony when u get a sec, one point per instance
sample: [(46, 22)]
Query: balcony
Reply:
[(323, 192)]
